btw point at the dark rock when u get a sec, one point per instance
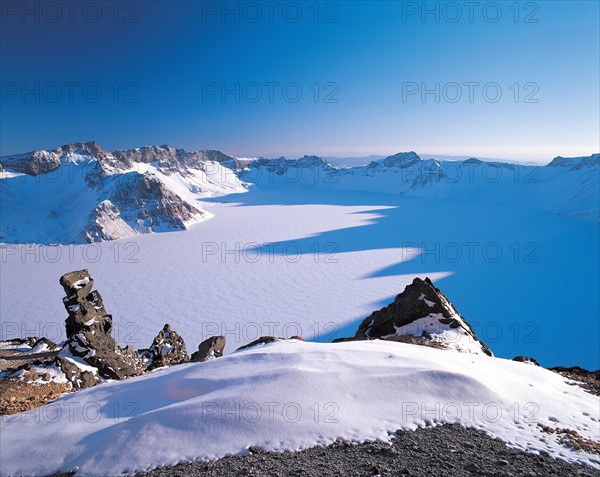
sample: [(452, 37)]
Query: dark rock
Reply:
[(588, 380), (168, 348), (296, 337), (88, 330), (261, 340), (419, 300), (33, 163), (79, 379), (526, 359), (209, 348), (342, 340)]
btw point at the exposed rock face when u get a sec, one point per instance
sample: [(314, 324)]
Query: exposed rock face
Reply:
[(589, 380), (421, 314), (270, 339), (168, 158), (168, 348), (261, 340), (79, 378), (209, 348), (526, 359), (143, 200), (107, 224), (41, 162), (33, 163), (88, 331)]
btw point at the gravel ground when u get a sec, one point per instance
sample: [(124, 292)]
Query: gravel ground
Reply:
[(448, 450)]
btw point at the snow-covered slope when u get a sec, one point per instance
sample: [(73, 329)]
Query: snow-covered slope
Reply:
[(80, 193), (291, 395), (566, 186)]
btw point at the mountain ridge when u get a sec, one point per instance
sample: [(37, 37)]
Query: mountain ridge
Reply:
[(90, 195)]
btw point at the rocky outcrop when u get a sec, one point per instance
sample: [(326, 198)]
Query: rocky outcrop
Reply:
[(261, 340), (145, 203), (107, 224), (32, 163), (89, 331), (526, 359), (167, 349), (421, 314), (42, 161), (589, 380), (210, 348), (266, 340)]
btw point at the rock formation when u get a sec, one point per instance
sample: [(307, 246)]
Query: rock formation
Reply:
[(209, 348), (421, 314), (167, 349), (88, 331)]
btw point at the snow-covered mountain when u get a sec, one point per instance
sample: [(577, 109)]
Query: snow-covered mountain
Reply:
[(81, 193)]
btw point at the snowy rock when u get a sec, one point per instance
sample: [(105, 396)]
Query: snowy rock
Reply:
[(145, 203), (168, 348), (209, 348), (421, 314), (32, 163), (107, 224), (88, 330), (526, 359), (78, 377)]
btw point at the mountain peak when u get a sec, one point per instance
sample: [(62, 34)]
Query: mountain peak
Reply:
[(402, 159), (575, 163), (422, 314)]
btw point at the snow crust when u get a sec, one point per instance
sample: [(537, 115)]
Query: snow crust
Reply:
[(290, 395)]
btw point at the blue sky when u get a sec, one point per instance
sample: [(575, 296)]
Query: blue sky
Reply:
[(345, 79)]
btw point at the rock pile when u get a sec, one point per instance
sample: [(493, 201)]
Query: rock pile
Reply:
[(422, 314), (209, 349), (168, 348), (89, 331)]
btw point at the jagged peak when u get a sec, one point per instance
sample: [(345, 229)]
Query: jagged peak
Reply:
[(575, 163), (401, 159), (422, 314)]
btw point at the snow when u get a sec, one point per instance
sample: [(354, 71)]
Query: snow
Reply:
[(80, 283), (282, 397), (55, 375), (14, 346), (452, 338), (428, 302), (40, 348), (80, 362), (315, 263)]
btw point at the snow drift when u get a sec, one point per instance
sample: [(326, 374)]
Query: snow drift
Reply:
[(290, 395)]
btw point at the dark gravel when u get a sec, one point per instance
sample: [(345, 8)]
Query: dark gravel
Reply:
[(448, 450)]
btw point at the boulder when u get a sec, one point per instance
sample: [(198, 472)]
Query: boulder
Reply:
[(168, 348), (422, 314), (209, 349), (526, 359)]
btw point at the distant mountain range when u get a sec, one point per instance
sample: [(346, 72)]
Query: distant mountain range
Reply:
[(81, 193)]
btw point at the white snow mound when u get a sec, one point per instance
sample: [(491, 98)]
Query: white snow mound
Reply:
[(292, 395)]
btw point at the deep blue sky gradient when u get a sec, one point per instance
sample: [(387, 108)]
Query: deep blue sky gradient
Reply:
[(174, 49)]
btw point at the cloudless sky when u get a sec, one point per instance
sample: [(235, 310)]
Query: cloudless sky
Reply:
[(328, 78)]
